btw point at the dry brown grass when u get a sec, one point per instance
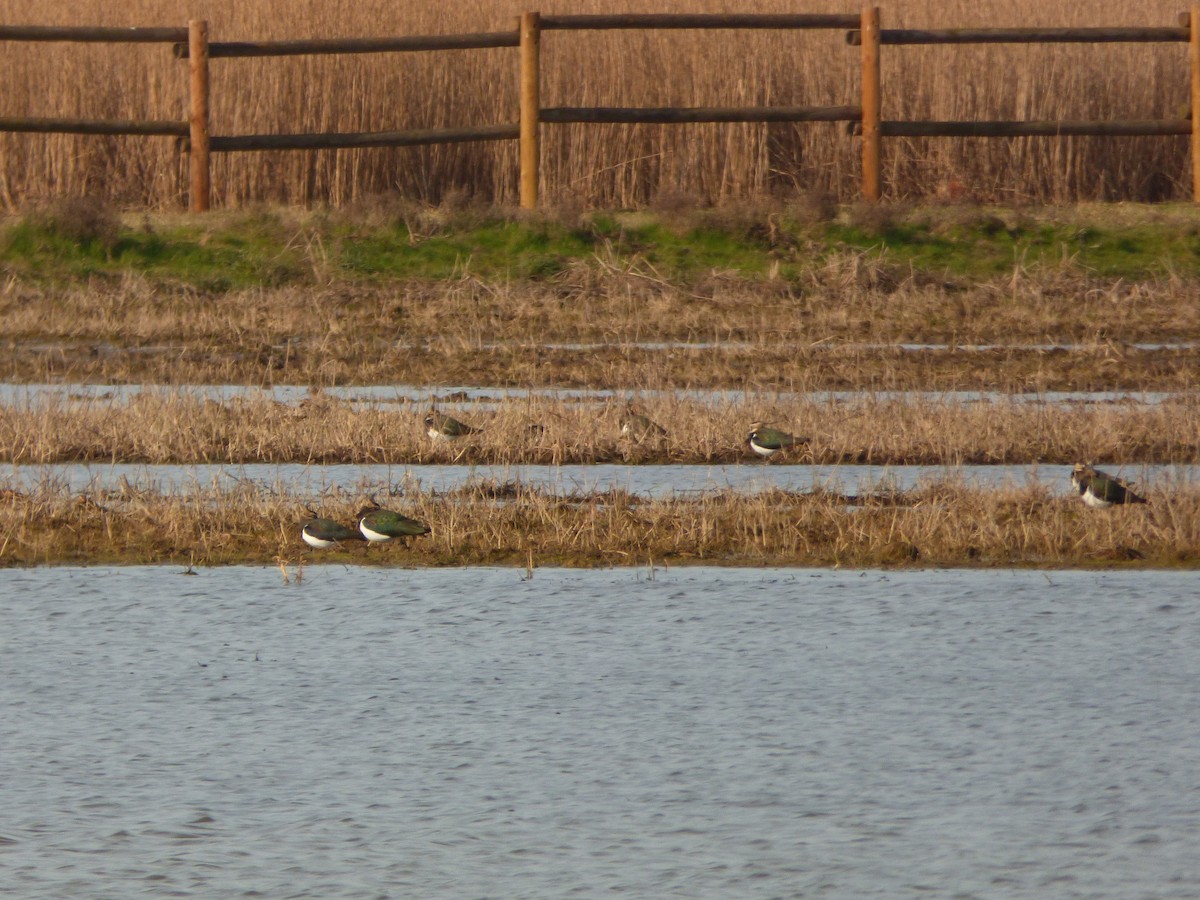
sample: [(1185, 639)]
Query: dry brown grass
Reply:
[(940, 524), (835, 326), (616, 165), (829, 366), (165, 427), (846, 296)]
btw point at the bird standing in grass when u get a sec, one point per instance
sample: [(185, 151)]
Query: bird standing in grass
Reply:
[(441, 426), (1099, 489), (639, 427), (766, 442), (325, 533), (378, 525)]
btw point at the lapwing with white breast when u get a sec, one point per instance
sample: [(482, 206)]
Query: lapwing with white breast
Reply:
[(442, 427), (325, 533), (766, 442), (379, 525), (1101, 490)]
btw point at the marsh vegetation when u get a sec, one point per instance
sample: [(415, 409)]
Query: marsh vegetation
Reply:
[(660, 311), (941, 523)]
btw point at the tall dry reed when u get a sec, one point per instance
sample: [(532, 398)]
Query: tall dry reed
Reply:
[(614, 165)]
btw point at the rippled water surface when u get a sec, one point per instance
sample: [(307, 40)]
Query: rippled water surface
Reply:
[(643, 480), (701, 733)]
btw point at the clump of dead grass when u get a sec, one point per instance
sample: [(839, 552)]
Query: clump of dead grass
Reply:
[(86, 220)]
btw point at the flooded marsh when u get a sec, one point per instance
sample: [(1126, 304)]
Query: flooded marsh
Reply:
[(931, 403), (750, 733)]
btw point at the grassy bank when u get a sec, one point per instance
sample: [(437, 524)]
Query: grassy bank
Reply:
[(790, 242), (942, 524), (760, 297)]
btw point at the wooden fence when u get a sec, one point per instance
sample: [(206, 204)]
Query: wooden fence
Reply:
[(863, 30)]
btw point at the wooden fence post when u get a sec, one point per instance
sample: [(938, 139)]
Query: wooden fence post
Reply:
[(201, 184), (1194, 59), (872, 156), (530, 28)]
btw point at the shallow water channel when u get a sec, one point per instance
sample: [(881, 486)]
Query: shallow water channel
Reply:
[(691, 733), (480, 396), (655, 481)]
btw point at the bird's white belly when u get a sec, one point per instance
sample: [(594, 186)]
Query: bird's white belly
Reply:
[(319, 543), (370, 535)]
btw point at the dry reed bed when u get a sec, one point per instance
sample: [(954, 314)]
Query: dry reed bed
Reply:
[(616, 165), (940, 524), (167, 427)]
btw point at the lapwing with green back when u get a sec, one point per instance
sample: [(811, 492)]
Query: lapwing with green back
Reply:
[(325, 533), (766, 442), (379, 525), (1101, 490), (440, 426)]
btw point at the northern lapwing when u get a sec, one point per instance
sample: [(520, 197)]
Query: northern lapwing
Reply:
[(326, 533), (640, 428), (766, 442), (1101, 490), (440, 426), (378, 525)]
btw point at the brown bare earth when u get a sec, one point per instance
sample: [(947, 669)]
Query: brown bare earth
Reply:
[(1092, 368)]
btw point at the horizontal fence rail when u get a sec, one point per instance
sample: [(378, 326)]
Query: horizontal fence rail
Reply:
[(365, 139), (674, 114), (85, 35), (234, 49), (862, 30), (1133, 128), (695, 20), (88, 126), (898, 37)]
